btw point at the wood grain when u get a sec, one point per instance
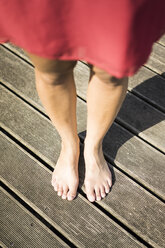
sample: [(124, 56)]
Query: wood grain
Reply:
[(162, 40), (79, 221), (156, 60), (19, 228)]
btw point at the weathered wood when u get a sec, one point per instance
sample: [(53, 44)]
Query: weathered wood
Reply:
[(19, 228), (79, 221), (2, 245), (144, 120), (149, 86), (162, 40), (131, 154), (156, 60), (128, 202), (23, 84), (16, 50)]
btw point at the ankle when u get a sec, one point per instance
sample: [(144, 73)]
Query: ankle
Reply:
[(71, 144), (92, 145)]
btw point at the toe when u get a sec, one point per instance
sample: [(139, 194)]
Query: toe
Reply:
[(109, 182), (65, 191), (53, 181), (98, 195), (102, 190), (107, 187), (53, 177), (55, 186), (60, 191), (90, 195), (71, 194)]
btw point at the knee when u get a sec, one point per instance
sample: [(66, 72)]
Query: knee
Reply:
[(106, 78), (58, 76)]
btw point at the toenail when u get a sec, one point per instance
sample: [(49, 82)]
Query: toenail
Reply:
[(91, 198), (107, 191), (98, 198), (59, 193), (70, 198), (103, 194), (64, 197), (55, 188)]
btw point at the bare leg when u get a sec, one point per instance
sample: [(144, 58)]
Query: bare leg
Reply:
[(56, 89), (104, 98)]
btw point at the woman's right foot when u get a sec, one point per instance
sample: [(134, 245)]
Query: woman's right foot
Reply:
[(65, 177)]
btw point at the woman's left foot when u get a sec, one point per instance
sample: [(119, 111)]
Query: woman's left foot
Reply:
[(98, 178)]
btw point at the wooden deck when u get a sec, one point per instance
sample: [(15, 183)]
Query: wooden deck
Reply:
[(133, 214)]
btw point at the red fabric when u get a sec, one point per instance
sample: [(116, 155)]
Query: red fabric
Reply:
[(115, 35)]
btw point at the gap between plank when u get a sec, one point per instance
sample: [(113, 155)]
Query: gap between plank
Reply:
[(54, 230), (37, 215), (83, 62), (149, 102), (80, 191), (82, 141), (119, 122), (158, 42), (141, 240), (160, 75)]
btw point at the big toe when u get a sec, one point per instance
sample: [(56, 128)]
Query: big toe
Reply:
[(65, 191), (90, 194), (71, 194)]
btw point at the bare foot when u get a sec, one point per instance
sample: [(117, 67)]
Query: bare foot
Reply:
[(98, 179), (65, 178)]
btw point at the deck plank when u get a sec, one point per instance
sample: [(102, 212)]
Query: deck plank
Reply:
[(156, 61), (20, 229), (41, 141), (79, 221), (162, 40), (2, 245), (146, 121), (130, 153), (22, 82), (149, 86)]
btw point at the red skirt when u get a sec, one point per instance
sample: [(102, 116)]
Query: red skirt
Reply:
[(116, 36)]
